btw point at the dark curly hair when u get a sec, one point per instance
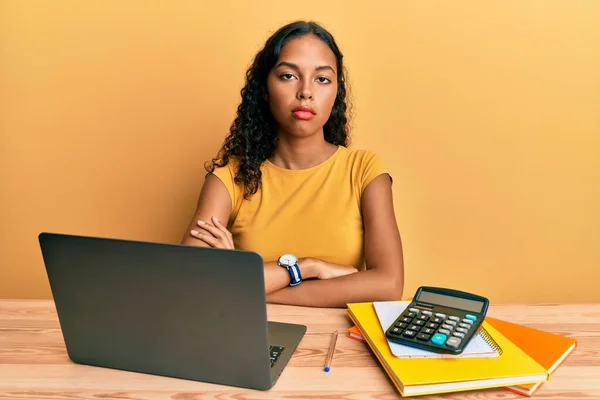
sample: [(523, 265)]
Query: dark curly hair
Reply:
[(253, 133)]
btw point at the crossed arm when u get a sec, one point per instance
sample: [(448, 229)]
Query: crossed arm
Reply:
[(382, 280)]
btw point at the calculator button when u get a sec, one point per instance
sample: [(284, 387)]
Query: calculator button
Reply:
[(466, 326), (414, 328), (419, 322), (405, 319), (463, 330), (467, 321), (436, 320), (471, 317), (458, 334), (423, 317), (453, 323), (449, 327), (438, 338), (396, 330), (409, 333), (454, 318), (440, 315), (427, 313), (432, 325), (428, 331), (423, 336), (414, 310), (409, 315), (444, 331), (402, 325), (453, 342)]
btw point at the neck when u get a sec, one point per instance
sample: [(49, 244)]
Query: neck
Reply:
[(301, 153)]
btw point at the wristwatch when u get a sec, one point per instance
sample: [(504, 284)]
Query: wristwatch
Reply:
[(290, 262)]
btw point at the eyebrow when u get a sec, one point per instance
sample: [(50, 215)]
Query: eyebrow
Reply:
[(294, 66)]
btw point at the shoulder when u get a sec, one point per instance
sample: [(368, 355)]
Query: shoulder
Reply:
[(360, 156), (226, 174), (361, 161), (364, 165), (230, 168)]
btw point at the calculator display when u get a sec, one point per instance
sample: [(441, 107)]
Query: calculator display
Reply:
[(456, 302)]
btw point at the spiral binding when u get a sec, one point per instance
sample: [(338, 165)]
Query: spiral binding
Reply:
[(490, 340)]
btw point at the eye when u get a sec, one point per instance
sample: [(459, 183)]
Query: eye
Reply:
[(323, 79), (286, 77)]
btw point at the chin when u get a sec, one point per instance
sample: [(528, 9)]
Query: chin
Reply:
[(303, 133), (302, 129)]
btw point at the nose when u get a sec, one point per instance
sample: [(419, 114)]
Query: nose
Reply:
[(305, 92)]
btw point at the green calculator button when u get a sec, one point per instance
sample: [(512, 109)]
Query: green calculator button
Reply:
[(471, 317), (439, 338)]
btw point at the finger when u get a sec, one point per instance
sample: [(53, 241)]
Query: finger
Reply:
[(207, 238), (218, 224), (197, 238), (350, 270), (216, 232), (225, 231)]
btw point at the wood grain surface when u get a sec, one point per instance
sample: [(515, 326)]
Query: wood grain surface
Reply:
[(34, 362)]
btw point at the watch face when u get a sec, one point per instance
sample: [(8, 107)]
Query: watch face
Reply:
[(287, 260)]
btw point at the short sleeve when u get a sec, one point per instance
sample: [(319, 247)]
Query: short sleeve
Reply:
[(226, 175), (371, 166)]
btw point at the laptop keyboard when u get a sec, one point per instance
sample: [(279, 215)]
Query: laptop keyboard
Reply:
[(274, 353)]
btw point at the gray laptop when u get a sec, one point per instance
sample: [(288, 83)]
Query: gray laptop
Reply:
[(166, 309)]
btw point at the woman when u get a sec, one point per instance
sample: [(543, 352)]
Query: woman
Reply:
[(286, 186)]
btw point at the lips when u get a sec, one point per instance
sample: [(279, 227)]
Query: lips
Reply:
[(304, 113)]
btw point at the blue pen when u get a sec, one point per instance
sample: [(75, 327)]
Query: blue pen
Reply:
[(331, 351)]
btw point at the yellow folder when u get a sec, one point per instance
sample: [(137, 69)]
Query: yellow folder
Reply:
[(419, 376)]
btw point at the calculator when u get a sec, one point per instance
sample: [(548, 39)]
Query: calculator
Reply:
[(439, 320)]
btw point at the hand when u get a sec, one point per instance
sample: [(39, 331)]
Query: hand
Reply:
[(215, 235), (316, 268)]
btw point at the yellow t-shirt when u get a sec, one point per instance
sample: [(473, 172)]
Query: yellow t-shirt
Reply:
[(313, 212)]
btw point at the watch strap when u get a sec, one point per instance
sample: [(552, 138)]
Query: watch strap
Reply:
[(295, 275)]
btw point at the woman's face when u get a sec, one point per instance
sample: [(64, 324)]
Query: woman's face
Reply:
[(302, 87)]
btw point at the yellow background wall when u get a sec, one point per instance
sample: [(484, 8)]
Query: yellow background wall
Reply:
[(488, 115)]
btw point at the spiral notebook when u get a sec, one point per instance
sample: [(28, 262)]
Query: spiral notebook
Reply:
[(481, 345)]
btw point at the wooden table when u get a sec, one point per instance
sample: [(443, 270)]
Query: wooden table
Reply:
[(34, 362)]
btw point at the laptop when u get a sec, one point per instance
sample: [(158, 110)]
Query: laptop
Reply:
[(181, 311)]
